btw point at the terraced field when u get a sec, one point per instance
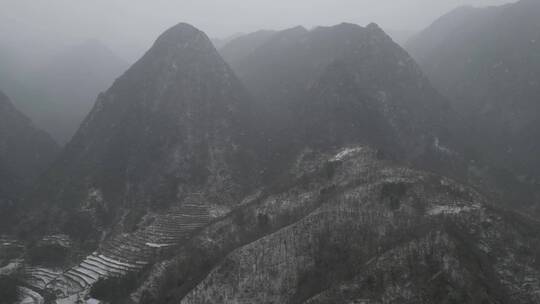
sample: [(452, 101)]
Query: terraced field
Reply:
[(29, 296), (119, 255)]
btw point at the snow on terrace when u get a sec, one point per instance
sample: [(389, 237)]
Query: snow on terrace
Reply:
[(154, 245), (28, 296), (115, 261), (452, 209), (93, 301)]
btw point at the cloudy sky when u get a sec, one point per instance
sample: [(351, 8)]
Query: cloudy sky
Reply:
[(129, 26)]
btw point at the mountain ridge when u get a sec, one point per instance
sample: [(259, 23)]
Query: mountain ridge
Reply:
[(170, 125), (182, 185), (485, 61), (286, 77), (25, 154), (58, 93)]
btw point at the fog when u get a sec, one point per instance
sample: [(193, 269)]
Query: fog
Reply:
[(42, 27), (311, 160)]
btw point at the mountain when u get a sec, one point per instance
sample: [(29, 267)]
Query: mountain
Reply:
[(73, 80), (372, 91), (366, 231), (220, 42), (164, 151), (341, 84), (59, 94), (164, 194), (347, 226), (25, 153), (486, 61), (236, 49), (400, 36), (172, 129)]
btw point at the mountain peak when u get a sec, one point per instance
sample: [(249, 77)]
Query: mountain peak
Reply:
[(3, 98), (297, 30), (175, 119), (374, 27), (377, 31), (343, 27), (180, 46), (182, 36)]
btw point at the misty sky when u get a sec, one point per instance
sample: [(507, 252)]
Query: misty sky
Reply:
[(128, 27)]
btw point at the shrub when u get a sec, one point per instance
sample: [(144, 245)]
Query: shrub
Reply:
[(392, 193), (8, 290), (80, 226), (114, 289), (50, 254)]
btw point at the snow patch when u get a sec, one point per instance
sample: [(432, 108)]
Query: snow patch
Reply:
[(116, 262), (10, 268), (154, 245), (216, 211), (451, 209), (87, 272), (346, 153)]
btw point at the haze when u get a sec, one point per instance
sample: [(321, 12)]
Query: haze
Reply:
[(300, 151), (128, 27)]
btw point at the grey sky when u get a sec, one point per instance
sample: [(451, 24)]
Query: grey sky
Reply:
[(129, 26)]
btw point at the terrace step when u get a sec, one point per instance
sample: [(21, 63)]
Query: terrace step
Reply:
[(28, 296), (71, 282), (107, 265), (125, 253), (39, 277), (85, 274), (94, 269)]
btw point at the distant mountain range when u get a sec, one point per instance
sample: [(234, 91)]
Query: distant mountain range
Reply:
[(60, 94), (487, 62), (336, 85)]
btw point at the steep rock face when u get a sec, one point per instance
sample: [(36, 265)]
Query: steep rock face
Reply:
[(364, 230), (172, 126), (486, 60), (25, 151)]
